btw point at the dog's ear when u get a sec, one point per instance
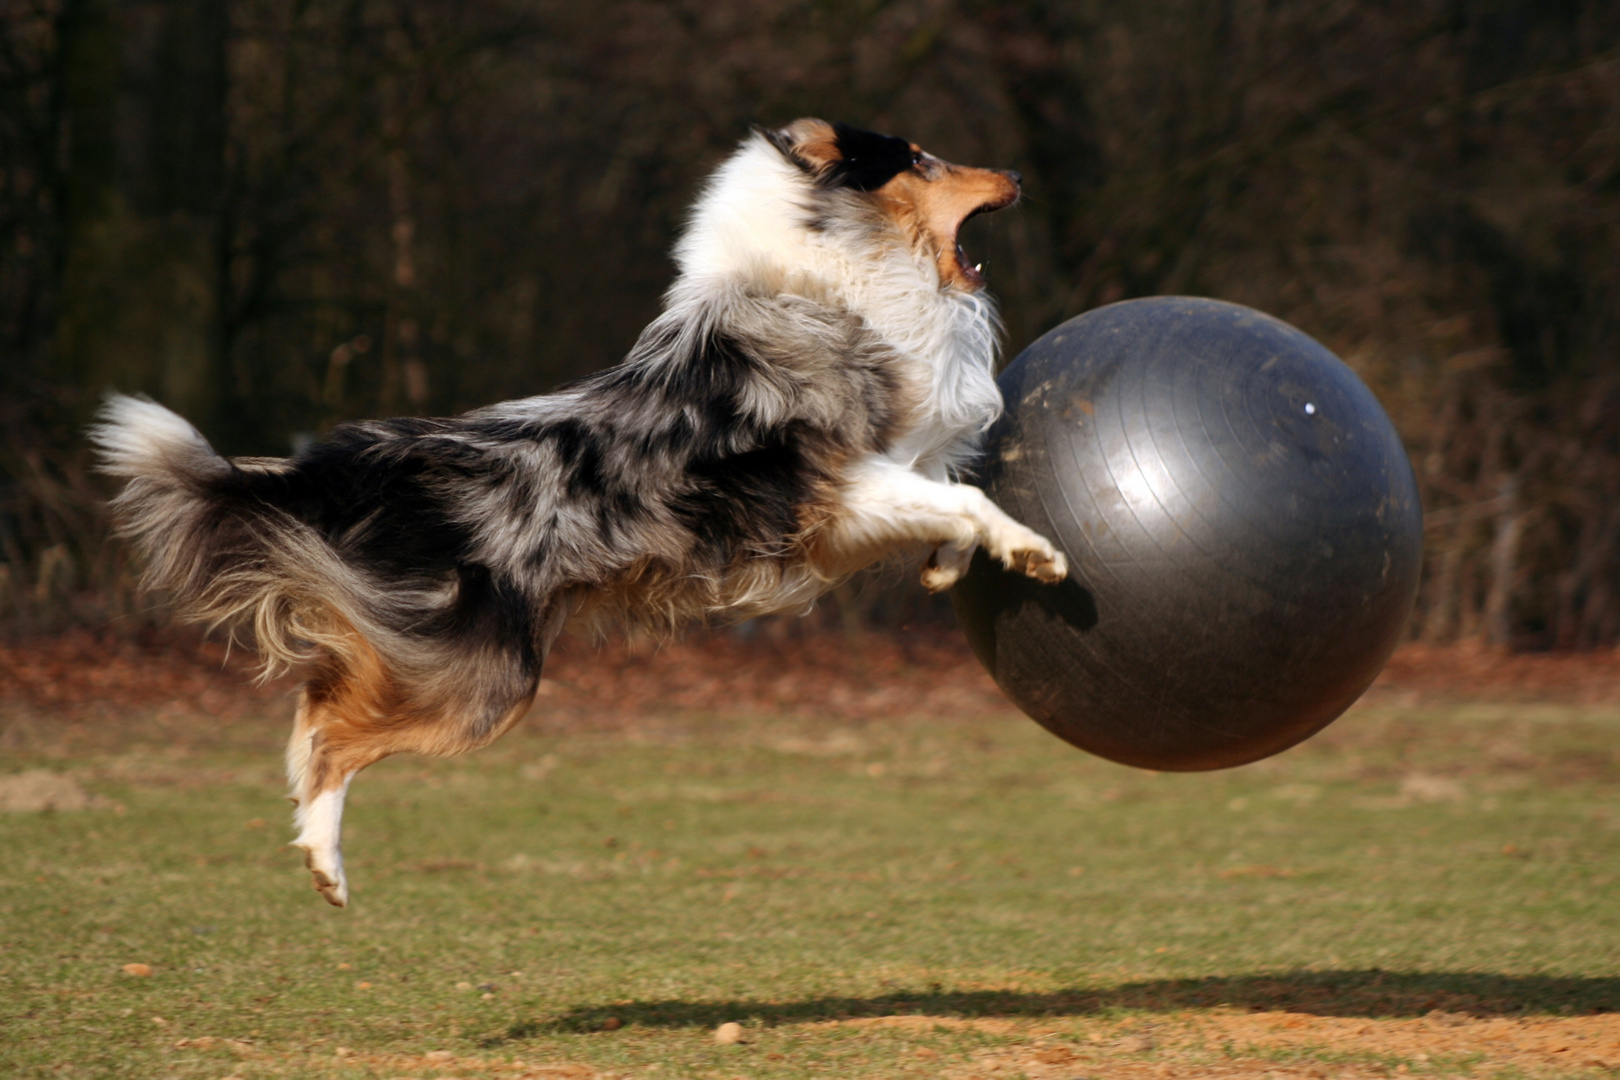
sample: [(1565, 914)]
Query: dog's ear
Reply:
[(809, 143)]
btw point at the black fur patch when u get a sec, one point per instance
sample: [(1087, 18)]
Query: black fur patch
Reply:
[(747, 500), (869, 160), (375, 492)]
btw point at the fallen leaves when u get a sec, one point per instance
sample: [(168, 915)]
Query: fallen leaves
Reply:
[(75, 672), (1470, 672), (83, 675)]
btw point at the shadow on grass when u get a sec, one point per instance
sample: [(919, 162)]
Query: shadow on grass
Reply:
[(1369, 993)]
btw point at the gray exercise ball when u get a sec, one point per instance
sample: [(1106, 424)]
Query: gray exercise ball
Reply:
[(1242, 525)]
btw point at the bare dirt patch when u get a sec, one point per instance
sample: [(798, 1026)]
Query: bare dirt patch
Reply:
[(1216, 1043), (40, 789), (1276, 1045)]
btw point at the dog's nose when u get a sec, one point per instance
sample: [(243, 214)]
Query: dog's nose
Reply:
[(1016, 177)]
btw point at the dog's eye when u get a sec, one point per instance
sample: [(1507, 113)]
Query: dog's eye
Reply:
[(916, 158)]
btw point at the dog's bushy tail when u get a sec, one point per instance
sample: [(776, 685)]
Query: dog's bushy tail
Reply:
[(213, 538)]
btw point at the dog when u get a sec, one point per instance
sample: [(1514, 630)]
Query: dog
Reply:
[(822, 369)]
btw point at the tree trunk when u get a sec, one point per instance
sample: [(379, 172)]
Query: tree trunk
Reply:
[(1510, 520)]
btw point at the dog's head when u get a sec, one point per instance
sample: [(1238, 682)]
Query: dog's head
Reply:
[(928, 199)]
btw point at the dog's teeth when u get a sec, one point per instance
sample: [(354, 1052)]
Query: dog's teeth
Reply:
[(978, 267)]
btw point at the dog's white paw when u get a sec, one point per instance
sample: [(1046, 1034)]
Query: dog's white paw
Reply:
[(1025, 552), (326, 870), (320, 835), (1047, 566), (945, 567)]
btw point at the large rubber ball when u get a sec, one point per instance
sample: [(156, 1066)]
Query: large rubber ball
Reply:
[(1242, 525)]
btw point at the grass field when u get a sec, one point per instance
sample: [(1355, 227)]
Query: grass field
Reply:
[(1427, 891)]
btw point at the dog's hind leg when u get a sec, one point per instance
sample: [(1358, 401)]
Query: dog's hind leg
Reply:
[(340, 731), (319, 790), (343, 725), (356, 712), (351, 714), (320, 834)]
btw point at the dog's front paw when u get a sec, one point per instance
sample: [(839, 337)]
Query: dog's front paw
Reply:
[(1047, 566), (1029, 553), (945, 567)]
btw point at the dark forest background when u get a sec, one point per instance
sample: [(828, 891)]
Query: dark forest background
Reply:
[(276, 214)]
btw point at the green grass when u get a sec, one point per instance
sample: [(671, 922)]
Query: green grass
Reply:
[(608, 900)]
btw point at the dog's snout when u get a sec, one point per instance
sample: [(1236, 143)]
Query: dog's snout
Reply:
[(1016, 177)]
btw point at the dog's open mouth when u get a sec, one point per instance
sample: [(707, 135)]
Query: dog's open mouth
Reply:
[(973, 272)]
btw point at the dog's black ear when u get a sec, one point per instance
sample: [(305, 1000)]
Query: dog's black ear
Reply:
[(809, 143), (866, 160)]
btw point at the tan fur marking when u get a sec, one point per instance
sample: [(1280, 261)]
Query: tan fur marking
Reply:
[(814, 142), (931, 203), (354, 715)]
